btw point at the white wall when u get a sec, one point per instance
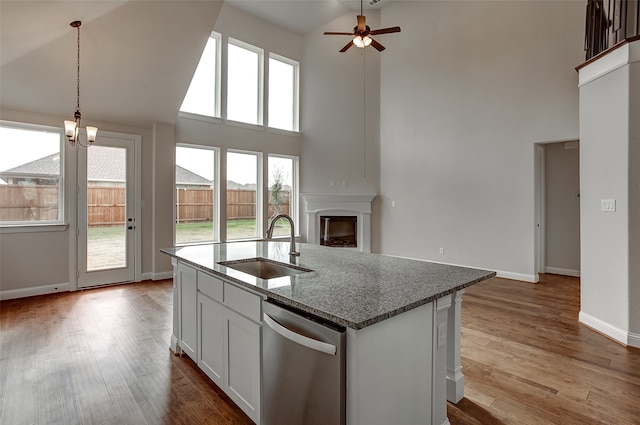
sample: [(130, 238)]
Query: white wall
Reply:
[(341, 113), (609, 156), (634, 201), (460, 111), (39, 262), (562, 208)]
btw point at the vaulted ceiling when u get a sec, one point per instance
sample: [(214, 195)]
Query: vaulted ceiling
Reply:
[(137, 57), (132, 55)]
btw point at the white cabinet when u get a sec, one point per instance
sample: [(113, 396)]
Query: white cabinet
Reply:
[(187, 299), (219, 328), (243, 363), (211, 316)]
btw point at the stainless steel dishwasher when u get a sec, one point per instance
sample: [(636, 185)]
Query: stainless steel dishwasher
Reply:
[(303, 368)]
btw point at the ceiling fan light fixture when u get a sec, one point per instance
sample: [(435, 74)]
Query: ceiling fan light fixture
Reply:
[(361, 42)]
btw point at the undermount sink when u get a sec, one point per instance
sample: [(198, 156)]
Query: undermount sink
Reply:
[(264, 268)]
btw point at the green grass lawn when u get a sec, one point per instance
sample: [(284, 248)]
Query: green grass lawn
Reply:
[(197, 231)]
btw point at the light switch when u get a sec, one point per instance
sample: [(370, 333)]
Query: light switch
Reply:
[(608, 205)]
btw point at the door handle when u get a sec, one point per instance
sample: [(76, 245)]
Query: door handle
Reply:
[(311, 343)]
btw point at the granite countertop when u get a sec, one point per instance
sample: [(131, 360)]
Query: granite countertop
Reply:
[(347, 287)]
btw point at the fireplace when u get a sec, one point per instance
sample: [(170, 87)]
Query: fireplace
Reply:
[(339, 231), (349, 220)]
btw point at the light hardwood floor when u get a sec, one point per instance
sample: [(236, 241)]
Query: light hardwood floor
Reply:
[(527, 360), (101, 357)]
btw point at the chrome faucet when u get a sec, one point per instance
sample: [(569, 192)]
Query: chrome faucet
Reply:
[(292, 243)]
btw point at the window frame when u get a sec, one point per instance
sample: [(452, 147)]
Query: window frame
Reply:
[(294, 200), (296, 91), (217, 83), (260, 86), (43, 225), (260, 213), (216, 194)]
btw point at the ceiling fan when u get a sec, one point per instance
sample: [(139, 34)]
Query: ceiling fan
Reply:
[(361, 33)]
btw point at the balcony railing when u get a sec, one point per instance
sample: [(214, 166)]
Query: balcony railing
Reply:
[(610, 22)]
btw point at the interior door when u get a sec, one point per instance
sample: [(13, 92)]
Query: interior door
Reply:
[(106, 207)]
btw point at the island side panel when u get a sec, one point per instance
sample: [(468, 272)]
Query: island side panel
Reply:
[(390, 370), (175, 335), (440, 348), (455, 378)]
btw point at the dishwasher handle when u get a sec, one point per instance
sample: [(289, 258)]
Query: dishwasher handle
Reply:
[(311, 343)]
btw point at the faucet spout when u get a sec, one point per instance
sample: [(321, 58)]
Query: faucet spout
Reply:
[(292, 242)]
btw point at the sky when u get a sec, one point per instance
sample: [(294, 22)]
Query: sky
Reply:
[(16, 150), (241, 167)]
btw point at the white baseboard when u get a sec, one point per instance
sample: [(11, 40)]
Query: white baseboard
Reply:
[(633, 340), (163, 275), (157, 276), (609, 330), (33, 291), (499, 273), (564, 272), (517, 276)]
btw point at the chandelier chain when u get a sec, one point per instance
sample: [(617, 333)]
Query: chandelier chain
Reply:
[(78, 69)]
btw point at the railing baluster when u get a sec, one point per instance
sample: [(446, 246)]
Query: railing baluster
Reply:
[(608, 23)]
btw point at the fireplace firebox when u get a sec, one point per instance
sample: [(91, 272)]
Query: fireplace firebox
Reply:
[(354, 207), (339, 231)]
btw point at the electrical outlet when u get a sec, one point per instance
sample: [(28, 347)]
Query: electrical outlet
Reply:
[(441, 251), (608, 205)]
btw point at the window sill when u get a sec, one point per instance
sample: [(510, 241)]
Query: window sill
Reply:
[(197, 117), (38, 228), (284, 132)]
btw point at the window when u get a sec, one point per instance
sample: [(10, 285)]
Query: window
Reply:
[(203, 95), (244, 83), (283, 191), (31, 170), (283, 93), (242, 195), (196, 203)]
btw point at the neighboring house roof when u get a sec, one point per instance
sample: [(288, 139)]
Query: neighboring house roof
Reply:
[(184, 176), (47, 165), (102, 165)]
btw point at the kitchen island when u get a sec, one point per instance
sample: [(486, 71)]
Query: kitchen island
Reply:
[(401, 315)]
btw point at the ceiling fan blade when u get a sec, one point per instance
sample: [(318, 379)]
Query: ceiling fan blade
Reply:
[(337, 33), (345, 48), (385, 30), (362, 23), (379, 47)]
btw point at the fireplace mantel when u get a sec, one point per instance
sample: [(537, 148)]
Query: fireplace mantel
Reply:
[(345, 204)]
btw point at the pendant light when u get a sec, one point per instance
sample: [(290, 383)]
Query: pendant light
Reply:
[(72, 128)]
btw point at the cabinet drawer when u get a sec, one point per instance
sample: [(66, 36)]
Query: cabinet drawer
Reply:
[(243, 302), (210, 286)]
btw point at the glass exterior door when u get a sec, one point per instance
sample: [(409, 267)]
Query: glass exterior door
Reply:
[(106, 222)]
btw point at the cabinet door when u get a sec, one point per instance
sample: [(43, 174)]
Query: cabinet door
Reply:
[(188, 309), (243, 363), (211, 338)]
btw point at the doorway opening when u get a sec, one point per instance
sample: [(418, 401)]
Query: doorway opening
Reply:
[(557, 207)]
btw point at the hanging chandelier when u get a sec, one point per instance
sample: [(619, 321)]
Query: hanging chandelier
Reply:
[(72, 128)]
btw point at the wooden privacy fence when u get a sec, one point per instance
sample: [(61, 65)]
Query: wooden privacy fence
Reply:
[(106, 204), (28, 203), (197, 204)]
